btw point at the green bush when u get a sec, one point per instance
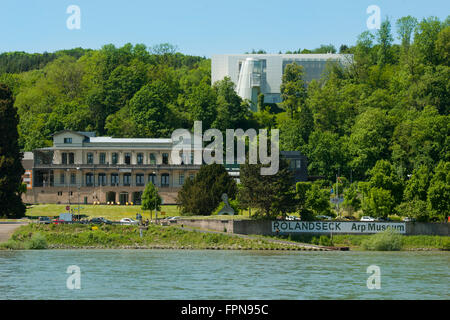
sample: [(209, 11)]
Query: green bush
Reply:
[(12, 245), (416, 209), (233, 204), (388, 240), (325, 241), (37, 241), (445, 245)]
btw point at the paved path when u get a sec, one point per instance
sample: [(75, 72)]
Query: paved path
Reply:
[(8, 228)]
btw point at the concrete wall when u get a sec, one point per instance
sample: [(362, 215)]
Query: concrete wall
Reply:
[(439, 229), (265, 227), (211, 224)]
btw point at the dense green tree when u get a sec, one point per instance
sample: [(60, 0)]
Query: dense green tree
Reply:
[(325, 48), (232, 112), (405, 29), (369, 140), (202, 195), (439, 190), (443, 46), (301, 189), (266, 119), (151, 200), (270, 195), (11, 169), (415, 209), (417, 186), (383, 175), (202, 105), (421, 140), (326, 154), (318, 200), (293, 88), (378, 203), (385, 39), (351, 198), (148, 108), (425, 37)]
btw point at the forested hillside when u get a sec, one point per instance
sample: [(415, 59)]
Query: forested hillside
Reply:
[(392, 104)]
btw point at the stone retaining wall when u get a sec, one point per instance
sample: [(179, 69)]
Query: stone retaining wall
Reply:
[(259, 227)]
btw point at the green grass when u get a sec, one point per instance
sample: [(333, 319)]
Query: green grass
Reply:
[(112, 212), (116, 212), (355, 242), (37, 236)]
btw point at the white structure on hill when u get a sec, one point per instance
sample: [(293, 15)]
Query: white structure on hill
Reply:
[(262, 73)]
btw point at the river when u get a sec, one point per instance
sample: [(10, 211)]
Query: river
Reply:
[(196, 274)]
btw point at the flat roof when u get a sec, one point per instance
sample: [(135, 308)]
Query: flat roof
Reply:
[(129, 140)]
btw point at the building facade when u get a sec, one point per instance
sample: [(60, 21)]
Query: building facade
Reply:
[(83, 168), (262, 73), (297, 162)]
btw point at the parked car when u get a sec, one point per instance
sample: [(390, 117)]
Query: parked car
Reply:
[(324, 217), (367, 218), (408, 219), (44, 220), (383, 219), (292, 218), (58, 221), (128, 221), (173, 218), (100, 220)]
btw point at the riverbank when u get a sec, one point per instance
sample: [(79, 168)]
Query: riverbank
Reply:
[(80, 236), (356, 242)]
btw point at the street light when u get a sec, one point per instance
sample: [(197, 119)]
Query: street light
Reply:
[(156, 194), (78, 168), (68, 186)]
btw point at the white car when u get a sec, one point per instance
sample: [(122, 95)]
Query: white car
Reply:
[(128, 221), (367, 218)]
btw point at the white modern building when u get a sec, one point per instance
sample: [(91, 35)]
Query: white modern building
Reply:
[(262, 73)]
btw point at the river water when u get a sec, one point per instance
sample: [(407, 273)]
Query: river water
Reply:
[(195, 274)]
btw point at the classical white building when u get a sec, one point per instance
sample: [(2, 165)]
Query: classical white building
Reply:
[(262, 73), (81, 167)]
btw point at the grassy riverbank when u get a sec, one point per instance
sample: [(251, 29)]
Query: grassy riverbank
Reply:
[(363, 242), (35, 236), (117, 212)]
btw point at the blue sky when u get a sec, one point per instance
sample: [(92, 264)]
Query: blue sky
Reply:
[(198, 27)]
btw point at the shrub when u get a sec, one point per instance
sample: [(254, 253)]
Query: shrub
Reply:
[(12, 245), (233, 204), (325, 241), (416, 209), (37, 241), (445, 245), (388, 240)]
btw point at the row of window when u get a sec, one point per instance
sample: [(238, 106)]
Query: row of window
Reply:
[(114, 179), (295, 164), (68, 158)]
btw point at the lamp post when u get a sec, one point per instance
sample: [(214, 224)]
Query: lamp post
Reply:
[(78, 168), (68, 185), (156, 195)]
